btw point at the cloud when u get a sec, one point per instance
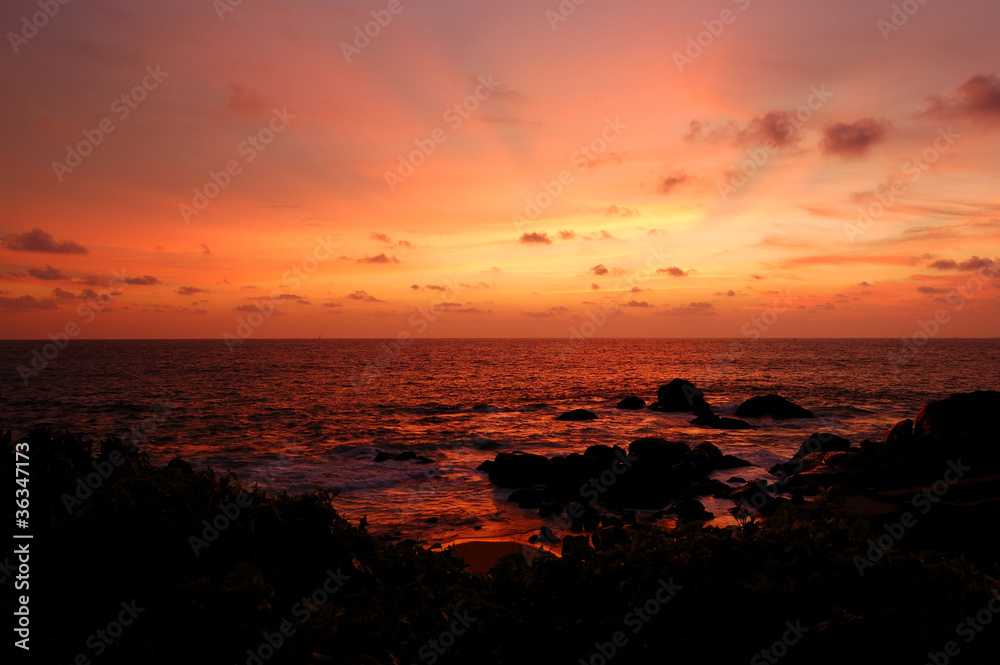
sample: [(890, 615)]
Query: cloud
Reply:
[(694, 309), (567, 234), (601, 235), (973, 263), (856, 138), (930, 289), (332, 304), (39, 241), (620, 211), (62, 294), (387, 241), (48, 273), (779, 127), (190, 290), (480, 285), (978, 97), (551, 311), (671, 182), (363, 296), (863, 284), (637, 303), (254, 308), (290, 296), (378, 258), (435, 287), (595, 287), (26, 302), (599, 269), (756, 278), (472, 310), (674, 271), (535, 239), (145, 280), (729, 294)]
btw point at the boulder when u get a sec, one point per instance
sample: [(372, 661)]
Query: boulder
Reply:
[(658, 452), (632, 403), (901, 432), (775, 406), (408, 455), (732, 462), (577, 414), (517, 469), (716, 422), (382, 457), (962, 414), (823, 443), (681, 396)]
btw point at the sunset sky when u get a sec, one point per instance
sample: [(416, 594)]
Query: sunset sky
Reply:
[(499, 169)]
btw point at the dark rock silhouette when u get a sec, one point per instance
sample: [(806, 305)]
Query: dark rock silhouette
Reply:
[(681, 396), (900, 433), (382, 457), (408, 455), (964, 414), (631, 402), (517, 469), (823, 443), (775, 406), (577, 414)]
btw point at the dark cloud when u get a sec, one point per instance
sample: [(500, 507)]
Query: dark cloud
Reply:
[(599, 269), (973, 263), (38, 240), (26, 302), (363, 296), (930, 289), (190, 290), (535, 239), (674, 271), (671, 182), (378, 258), (595, 287), (694, 308), (332, 304), (729, 294), (47, 273), (145, 280), (978, 97), (854, 139), (567, 234), (779, 127), (637, 303), (62, 294), (381, 237)]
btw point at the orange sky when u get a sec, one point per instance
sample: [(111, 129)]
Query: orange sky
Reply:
[(499, 169)]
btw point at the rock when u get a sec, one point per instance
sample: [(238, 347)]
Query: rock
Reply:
[(823, 443), (737, 479), (424, 460), (382, 457), (775, 406), (631, 402), (180, 465), (717, 422), (577, 414), (403, 457), (576, 548), (681, 396), (710, 451), (658, 452), (528, 497), (900, 433), (732, 462), (517, 469), (691, 509), (962, 414)]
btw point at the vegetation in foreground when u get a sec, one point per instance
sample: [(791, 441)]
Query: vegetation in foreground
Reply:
[(141, 537)]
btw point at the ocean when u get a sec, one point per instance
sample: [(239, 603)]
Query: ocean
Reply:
[(296, 414)]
